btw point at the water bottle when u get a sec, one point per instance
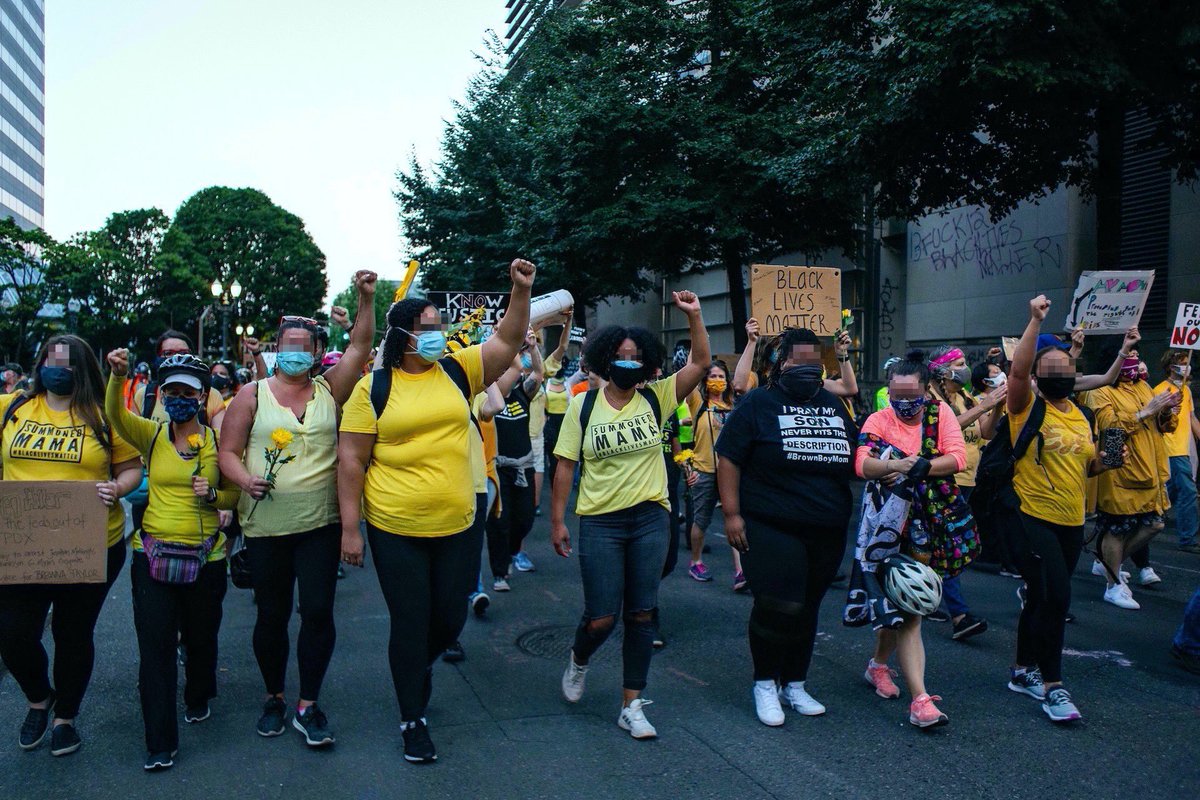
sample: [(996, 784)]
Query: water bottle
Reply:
[(546, 307)]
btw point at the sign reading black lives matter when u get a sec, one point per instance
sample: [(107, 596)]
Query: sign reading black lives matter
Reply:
[(796, 297), (455, 306), (52, 532)]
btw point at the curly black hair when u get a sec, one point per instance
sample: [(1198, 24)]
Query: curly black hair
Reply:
[(400, 319), (601, 349), (782, 348)]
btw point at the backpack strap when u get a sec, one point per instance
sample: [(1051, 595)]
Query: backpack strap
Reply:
[(153, 442), (381, 387), (1031, 430), (20, 400), (149, 398)]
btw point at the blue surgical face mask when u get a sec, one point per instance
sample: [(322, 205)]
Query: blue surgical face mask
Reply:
[(294, 362), (181, 409), (907, 409), (57, 380), (431, 345)]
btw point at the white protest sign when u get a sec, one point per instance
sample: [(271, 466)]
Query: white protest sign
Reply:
[(1186, 333), (1110, 301)]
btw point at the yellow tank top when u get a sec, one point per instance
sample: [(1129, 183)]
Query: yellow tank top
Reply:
[(305, 494), (557, 401)]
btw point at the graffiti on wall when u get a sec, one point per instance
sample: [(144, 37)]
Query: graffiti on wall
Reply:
[(968, 239)]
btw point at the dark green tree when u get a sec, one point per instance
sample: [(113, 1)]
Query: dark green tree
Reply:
[(348, 299), (23, 291), (228, 234)]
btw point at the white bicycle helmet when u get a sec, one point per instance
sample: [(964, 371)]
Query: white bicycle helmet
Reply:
[(911, 585)]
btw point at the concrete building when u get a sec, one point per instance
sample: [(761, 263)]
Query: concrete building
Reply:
[(522, 18), (22, 111)]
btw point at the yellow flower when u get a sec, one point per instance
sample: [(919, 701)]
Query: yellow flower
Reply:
[(195, 440), (281, 438), (845, 313), (684, 456)]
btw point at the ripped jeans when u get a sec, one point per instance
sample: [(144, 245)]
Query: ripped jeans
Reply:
[(621, 557)]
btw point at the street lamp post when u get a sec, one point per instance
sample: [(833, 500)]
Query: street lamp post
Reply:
[(225, 296)]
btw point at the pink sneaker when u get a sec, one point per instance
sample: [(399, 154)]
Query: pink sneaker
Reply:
[(924, 714), (881, 679), (699, 571)]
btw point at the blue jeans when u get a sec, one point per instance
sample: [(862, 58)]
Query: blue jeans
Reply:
[(1181, 488), (1187, 638), (952, 595), (621, 557)]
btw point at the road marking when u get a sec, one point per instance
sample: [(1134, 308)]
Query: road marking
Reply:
[(1115, 656), (1180, 569), (681, 674)]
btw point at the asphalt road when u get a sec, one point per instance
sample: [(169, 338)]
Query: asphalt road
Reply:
[(503, 731)]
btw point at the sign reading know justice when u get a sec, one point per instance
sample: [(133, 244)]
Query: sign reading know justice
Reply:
[(1186, 333), (52, 532), (1109, 301), (796, 297)]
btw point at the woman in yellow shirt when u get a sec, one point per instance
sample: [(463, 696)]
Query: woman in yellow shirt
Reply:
[(1132, 499), (56, 431), (623, 502), (291, 522), (709, 413), (178, 573), (409, 471), (1046, 535)]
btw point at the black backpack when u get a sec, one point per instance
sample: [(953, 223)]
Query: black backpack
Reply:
[(381, 386)]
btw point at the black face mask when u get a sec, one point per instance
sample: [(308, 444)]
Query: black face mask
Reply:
[(219, 382), (802, 382), (1056, 387), (626, 378)]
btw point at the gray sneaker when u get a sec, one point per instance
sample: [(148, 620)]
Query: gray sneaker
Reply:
[(573, 681), (1058, 706)]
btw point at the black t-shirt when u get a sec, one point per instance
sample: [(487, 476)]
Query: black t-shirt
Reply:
[(512, 424), (797, 459)]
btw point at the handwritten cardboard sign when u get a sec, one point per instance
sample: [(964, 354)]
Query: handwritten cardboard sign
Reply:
[(1110, 301), (796, 297), (52, 532), (1186, 333)]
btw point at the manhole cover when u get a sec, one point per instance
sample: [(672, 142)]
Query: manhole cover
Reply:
[(554, 643)]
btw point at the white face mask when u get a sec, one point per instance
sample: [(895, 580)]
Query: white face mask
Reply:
[(996, 381), (1181, 371)]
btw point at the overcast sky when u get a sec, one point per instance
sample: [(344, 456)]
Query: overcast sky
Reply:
[(315, 103)]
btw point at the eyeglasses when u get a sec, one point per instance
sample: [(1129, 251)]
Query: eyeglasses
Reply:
[(306, 321)]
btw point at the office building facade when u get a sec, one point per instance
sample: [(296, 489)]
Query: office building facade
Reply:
[(522, 18), (22, 111)]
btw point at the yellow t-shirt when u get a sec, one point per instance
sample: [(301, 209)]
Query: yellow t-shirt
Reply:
[(1178, 440), (1139, 487), (974, 441), (419, 480), (537, 413), (622, 455), (1054, 490), (41, 444), (706, 429), (174, 513)]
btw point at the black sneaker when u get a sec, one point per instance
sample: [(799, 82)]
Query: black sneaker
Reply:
[(314, 725), (967, 627), (938, 616), (36, 725), (197, 714), (159, 761), (64, 740), (418, 747), (480, 603), (454, 654), (271, 723)]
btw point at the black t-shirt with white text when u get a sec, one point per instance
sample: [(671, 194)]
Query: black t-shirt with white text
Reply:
[(796, 459), (512, 425)]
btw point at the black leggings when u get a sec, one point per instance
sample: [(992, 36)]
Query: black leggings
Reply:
[(506, 532), (1047, 554), (279, 564), (23, 610), (550, 434), (789, 570), (426, 582), (159, 610)]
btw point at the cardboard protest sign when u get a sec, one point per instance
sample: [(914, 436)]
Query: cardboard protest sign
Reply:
[(52, 532), (1009, 345), (796, 297), (456, 306), (1110, 301), (1186, 333)]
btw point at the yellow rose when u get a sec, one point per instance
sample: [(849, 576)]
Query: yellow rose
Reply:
[(195, 440), (281, 438)]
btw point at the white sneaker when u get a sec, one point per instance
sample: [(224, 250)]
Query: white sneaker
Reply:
[(1119, 595), (500, 585), (766, 703), (1100, 572), (633, 719), (1148, 577), (572, 681), (796, 696)]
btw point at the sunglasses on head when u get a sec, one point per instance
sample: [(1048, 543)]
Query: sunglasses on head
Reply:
[(308, 321)]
